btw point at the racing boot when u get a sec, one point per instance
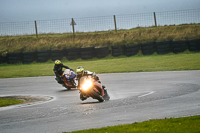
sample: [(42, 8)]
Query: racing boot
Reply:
[(73, 83), (105, 91), (58, 80), (106, 96), (103, 86)]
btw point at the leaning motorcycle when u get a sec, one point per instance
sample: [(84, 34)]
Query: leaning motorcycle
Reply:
[(67, 79), (89, 87)]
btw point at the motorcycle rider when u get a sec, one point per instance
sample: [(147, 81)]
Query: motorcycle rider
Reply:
[(81, 72), (58, 70)]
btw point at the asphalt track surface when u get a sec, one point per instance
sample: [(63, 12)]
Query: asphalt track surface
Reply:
[(135, 97)]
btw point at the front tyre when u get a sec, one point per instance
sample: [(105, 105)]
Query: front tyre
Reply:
[(97, 96), (68, 88), (82, 97)]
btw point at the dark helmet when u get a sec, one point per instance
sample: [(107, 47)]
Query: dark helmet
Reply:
[(79, 70)]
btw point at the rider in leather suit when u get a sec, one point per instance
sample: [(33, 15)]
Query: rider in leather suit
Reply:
[(58, 70), (81, 72)]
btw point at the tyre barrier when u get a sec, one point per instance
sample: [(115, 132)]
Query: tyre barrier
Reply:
[(179, 46), (29, 57), (57, 54), (148, 48), (164, 47), (13, 58), (3, 59), (132, 50), (194, 45), (101, 52), (87, 53), (43, 56), (73, 53), (118, 50), (91, 52)]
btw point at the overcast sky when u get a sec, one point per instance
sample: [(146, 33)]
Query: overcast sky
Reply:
[(29, 10)]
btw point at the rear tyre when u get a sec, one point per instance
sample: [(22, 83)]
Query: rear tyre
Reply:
[(97, 96)]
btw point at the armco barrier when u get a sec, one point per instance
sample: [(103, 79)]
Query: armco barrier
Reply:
[(164, 47)]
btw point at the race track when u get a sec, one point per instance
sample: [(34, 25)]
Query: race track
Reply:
[(135, 97)]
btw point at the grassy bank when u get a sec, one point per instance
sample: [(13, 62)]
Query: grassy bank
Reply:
[(171, 125), (98, 39), (140, 63)]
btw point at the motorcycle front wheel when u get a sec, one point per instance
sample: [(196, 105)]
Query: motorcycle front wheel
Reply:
[(97, 96)]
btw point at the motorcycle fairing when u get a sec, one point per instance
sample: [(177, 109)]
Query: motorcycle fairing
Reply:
[(99, 86), (68, 76)]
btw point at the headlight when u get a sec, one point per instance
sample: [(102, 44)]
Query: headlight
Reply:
[(87, 85)]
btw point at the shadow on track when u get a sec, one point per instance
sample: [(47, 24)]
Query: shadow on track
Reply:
[(65, 90), (95, 102)]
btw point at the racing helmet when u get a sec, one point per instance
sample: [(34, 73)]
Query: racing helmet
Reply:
[(79, 70), (57, 62)]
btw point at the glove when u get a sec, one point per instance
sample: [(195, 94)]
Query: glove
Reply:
[(96, 77)]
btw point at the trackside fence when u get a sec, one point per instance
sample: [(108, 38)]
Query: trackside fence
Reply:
[(104, 23)]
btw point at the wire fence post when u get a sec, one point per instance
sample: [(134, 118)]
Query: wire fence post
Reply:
[(73, 23), (36, 29), (155, 19), (115, 23)]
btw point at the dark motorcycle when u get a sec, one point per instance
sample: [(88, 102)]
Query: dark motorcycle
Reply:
[(67, 79), (89, 87)]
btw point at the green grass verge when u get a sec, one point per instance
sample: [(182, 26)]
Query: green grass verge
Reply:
[(168, 125), (9, 101), (169, 62)]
